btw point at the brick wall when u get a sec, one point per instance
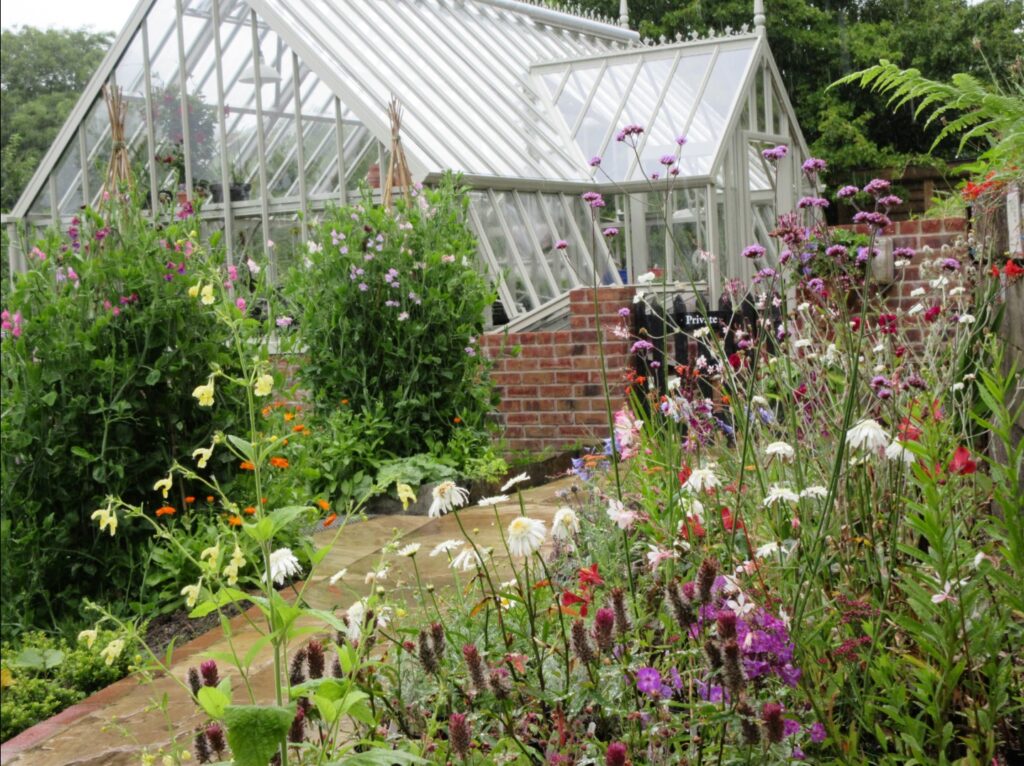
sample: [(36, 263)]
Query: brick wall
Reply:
[(552, 394)]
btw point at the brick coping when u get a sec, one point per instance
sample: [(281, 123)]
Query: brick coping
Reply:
[(44, 730)]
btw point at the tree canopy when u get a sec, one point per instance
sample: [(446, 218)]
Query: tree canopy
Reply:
[(42, 74), (816, 42)]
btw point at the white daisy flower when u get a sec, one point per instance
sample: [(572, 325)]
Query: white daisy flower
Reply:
[(283, 565), (466, 560), (966, 319), (447, 546), (447, 495), (867, 434), (780, 450), (701, 479), (767, 550), (410, 550), (896, 451), (802, 343), (355, 617), (525, 535), (336, 577), (514, 480), (814, 491), (490, 502), (917, 292), (779, 493), (376, 575), (565, 525)]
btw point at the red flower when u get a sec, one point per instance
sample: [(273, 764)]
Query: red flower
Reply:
[(684, 474), (932, 314), (1012, 270), (589, 576), (691, 523), (908, 431), (570, 599), (728, 522), (734, 361), (961, 464)]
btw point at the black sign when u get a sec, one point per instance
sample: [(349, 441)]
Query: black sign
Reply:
[(693, 320)]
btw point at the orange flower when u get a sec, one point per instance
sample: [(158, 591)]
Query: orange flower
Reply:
[(245, 465), (279, 462), (330, 520), (284, 443), (456, 420), (250, 510), (266, 412), (289, 416), (235, 521), (209, 498), (344, 401), (324, 505), (166, 511), (299, 428), (263, 500), (190, 499)]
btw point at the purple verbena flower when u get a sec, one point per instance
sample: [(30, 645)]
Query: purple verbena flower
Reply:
[(847, 191), (754, 251)]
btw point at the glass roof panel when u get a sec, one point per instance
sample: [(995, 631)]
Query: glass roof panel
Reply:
[(675, 116), (462, 72)]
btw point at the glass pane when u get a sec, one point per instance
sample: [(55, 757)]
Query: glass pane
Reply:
[(712, 115), (672, 118), (493, 231), (522, 235), (96, 129), (577, 88), (69, 180)]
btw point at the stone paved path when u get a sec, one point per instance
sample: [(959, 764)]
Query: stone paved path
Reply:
[(113, 726)]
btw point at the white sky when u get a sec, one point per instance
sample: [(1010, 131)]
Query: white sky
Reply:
[(100, 15)]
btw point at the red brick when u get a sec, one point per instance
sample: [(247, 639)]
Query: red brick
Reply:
[(931, 225), (954, 224), (511, 405), (522, 418), (909, 227), (520, 391), (556, 392)]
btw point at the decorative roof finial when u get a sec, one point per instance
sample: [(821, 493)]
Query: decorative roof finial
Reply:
[(624, 14), (759, 16)]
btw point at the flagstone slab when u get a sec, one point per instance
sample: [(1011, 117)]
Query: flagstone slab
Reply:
[(113, 726)]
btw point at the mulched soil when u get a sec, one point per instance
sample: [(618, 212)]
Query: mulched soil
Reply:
[(177, 625)]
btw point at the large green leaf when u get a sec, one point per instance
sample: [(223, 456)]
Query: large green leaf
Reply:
[(255, 732)]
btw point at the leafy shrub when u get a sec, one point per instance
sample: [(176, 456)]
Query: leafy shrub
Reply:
[(97, 389), (42, 676), (394, 306)]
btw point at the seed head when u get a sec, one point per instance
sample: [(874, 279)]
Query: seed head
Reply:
[(315, 659), (459, 734), (581, 644)]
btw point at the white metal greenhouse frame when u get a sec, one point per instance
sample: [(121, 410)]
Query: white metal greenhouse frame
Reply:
[(281, 106)]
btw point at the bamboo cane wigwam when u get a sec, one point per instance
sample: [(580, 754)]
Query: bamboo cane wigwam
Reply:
[(119, 170), (398, 174)]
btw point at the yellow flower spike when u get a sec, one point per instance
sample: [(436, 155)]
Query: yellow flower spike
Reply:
[(193, 292), (264, 385), (204, 394), (164, 485), (406, 495), (212, 553), (112, 651), (88, 636), (208, 298), (202, 456), (107, 519), (191, 594)]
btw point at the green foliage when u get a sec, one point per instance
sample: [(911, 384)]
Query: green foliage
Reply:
[(42, 74), (42, 676), (964, 107), (394, 307), (97, 396), (255, 733)]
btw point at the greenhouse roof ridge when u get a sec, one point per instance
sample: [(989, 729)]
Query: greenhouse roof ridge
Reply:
[(645, 46), (567, 15)]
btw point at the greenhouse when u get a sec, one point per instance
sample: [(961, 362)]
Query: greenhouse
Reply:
[(263, 113)]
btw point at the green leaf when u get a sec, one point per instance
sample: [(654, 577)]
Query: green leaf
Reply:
[(327, 708), (244, 447), (49, 399), (282, 517), (261, 531), (381, 754), (255, 733), (213, 701), (83, 453), (153, 377)]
